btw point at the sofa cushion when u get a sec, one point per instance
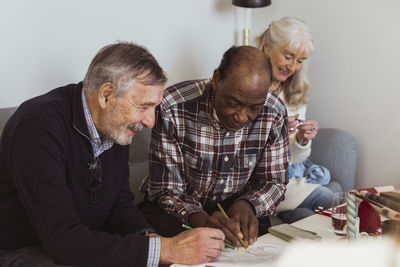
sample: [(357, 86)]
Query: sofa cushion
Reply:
[(336, 150)]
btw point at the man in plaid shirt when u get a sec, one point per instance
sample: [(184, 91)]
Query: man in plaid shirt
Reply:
[(223, 140)]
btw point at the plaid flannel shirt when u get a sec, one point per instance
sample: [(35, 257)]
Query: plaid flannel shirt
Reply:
[(194, 162)]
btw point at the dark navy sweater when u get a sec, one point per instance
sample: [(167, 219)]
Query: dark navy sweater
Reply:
[(45, 187)]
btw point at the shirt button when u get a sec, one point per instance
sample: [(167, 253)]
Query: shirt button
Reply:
[(214, 197), (250, 163), (221, 181), (227, 134), (226, 158), (183, 212)]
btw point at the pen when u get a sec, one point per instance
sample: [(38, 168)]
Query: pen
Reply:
[(223, 212), (300, 120), (190, 228)]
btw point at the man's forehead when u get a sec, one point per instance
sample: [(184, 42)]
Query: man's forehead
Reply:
[(254, 93), (247, 80), (147, 94)]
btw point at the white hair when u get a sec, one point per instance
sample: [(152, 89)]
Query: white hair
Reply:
[(292, 35)]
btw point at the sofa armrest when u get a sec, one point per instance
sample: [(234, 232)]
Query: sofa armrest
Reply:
[(336, 150)]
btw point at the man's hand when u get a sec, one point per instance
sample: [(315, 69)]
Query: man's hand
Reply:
[(190, 247), (242, 212), (230, 227)]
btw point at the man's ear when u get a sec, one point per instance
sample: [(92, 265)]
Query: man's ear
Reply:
[(216, 80), (106, 92)]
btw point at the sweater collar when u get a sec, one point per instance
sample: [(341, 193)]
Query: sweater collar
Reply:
[(78, 116)]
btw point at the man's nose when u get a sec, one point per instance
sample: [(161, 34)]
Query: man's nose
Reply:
[(149, 118), (241, 116)]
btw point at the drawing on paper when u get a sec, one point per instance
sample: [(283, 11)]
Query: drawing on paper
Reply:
[(257, 255)]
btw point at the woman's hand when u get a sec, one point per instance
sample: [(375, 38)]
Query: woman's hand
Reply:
[(292, 124), (307, 131)]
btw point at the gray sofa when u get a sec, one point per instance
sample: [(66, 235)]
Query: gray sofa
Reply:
[(332, 148)]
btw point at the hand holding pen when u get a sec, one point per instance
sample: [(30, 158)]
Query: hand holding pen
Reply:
[(243, 215), (293, 123), (241, 223), (307, 129), (226, 216), (230, 227), (190, 228)]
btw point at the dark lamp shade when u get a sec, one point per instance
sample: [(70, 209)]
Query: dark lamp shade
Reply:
[(251, 3)]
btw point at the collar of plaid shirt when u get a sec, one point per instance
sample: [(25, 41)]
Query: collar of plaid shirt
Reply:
[(208, 98), (99, 144)]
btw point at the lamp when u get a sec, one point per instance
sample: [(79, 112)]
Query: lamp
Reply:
[(251, 3), (247, 15)]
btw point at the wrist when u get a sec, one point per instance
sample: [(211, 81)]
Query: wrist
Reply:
[(300, 140), (245, 202), (165, 255)]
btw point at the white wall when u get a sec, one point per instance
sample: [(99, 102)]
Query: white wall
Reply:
[(354, 70), (355, 75), (48, 43)]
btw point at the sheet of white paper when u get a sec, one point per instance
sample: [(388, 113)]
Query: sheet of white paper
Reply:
[(257, 255)]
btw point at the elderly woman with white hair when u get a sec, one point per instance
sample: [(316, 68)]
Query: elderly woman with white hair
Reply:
[(288, 43)]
